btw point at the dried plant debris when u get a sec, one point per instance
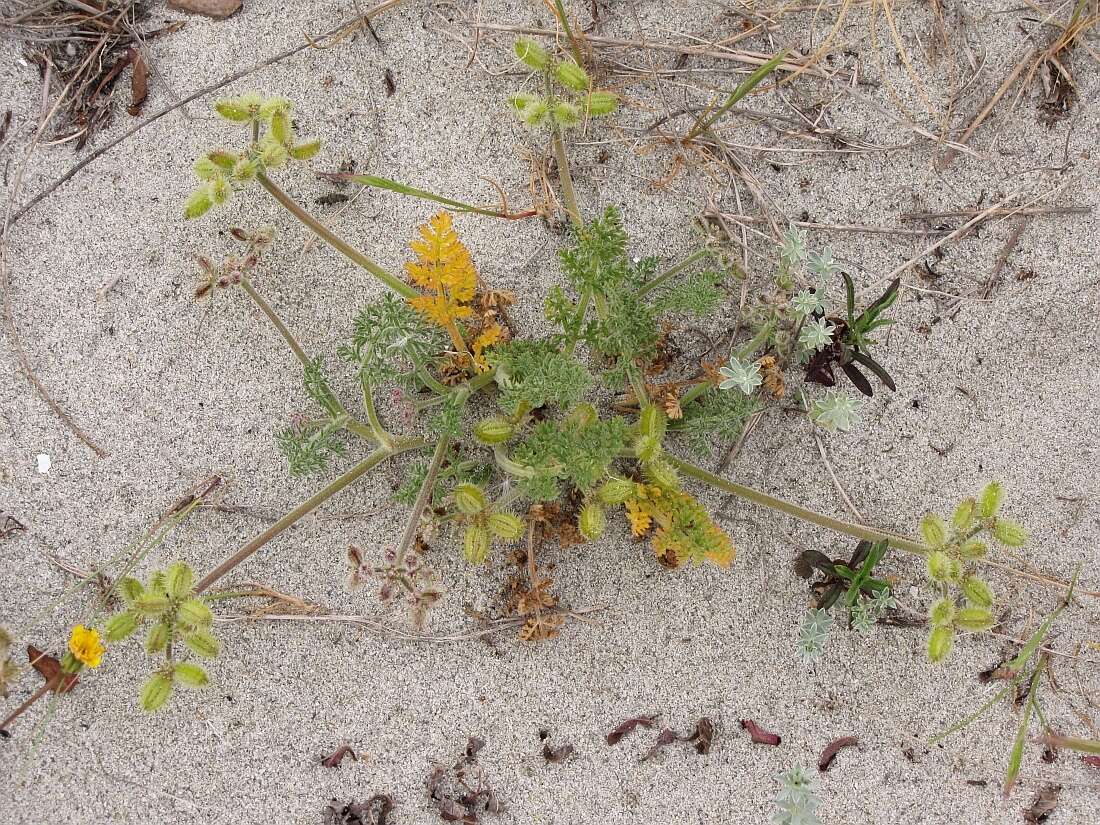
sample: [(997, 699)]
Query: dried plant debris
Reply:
[(461, 792), (1043, 805), (630, 725), (701, 736), (334, 759), (375, 811), (49, 668), (759, 735), (825, 761), (554, 753), (218, 9), (10, 525), (88, 45)]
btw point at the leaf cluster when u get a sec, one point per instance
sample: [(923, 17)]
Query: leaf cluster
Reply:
[(536, 373), (571, 449)]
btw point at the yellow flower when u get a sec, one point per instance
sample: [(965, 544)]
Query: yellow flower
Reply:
[(84, 644)]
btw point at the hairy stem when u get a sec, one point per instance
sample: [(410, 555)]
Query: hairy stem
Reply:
[(350, 423), (668, 274), (307, 507), (422, 499), (380, 435), (566, 179), (574, 46), (334, 240), (757, 497), (582, 308)]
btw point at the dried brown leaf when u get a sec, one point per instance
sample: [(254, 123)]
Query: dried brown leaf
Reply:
[(1043, 805), (557, 754), (218, 9), (630, 725), (49, 668), (825, 761), (759, 735), (139, 83)]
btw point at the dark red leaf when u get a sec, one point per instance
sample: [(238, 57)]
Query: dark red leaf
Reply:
[(758, 734), (665, 737), (334, 759), (558, 754), (630, 725), (1094, 761), (825, 761), (50, 669)]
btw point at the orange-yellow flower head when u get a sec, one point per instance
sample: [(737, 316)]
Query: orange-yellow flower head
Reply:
[(84, 644)]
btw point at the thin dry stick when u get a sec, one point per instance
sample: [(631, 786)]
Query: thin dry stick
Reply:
[(949, 156), (832, 227), (836, 481), (967, 213), (335, 32)]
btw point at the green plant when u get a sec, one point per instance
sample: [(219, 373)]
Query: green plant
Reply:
[(796, 803)]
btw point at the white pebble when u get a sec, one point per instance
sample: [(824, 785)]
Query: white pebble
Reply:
[(43, 463)]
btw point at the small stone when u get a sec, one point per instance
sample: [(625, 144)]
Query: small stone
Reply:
[(218, 9)]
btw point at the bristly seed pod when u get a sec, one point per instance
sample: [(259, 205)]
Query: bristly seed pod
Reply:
[(571, 75), (532, 53), (977, 592), (198, 204), (1009, 533), (974, 619), (120, 626), (493, 430), (178, 579), (582, 415), (616, 491), (193, 612), (939, 643), (475, 544), (973, 549), (663, 474), (566, 114), (600, 104), (942, 612), (469, 499), (592, 521), (156, 692), (157, 639), (653, 421), (647, 448), (535, 113), (964, 515), (933, 530), (505, 526), (939, 566), (990, 499), (521, 100)]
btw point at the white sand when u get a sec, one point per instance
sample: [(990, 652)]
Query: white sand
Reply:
[(177, 391)]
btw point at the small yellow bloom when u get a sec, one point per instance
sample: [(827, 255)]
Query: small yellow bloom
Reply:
[(84, 644)]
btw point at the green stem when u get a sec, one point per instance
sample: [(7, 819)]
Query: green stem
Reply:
[(307, 507), (704, 123), (582, 308), (566, 179), (350, 422), (334, 240), (379, 432), (422, 499), (573, 45), (696, 391), (757, 497), (664, 277)]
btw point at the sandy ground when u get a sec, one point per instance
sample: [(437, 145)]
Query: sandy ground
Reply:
[(177, 391)]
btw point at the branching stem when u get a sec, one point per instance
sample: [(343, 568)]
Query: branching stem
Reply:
[(566, 179), (422, 499), (668, 274)]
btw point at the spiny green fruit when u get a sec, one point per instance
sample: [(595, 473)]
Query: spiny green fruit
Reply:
[(990, 499), (205, 169), (193, 612), (652, 421), (178, 579), (939, 566), (977, 592), (190, 675), (974, 619), (600, 104), (469, 499), (616, 491), (505, 526), (233, 109), (281, 129), (592, 521), (272, 153), (157, 640), (198, 204), (130, 589), (202, 643), (493, 430), (222, 159), (571, 75), (150, 604), (272, 106), (973, 549), (933, 530), (964, 515), (156, 692), (647, 448), (663, 474), (121, 625), (566, 114), (521, 100), (305, 150), (1009, 533), (535, 113), (532, 53), (475, 544), (942, 612), (939, 643), (244, 170)]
